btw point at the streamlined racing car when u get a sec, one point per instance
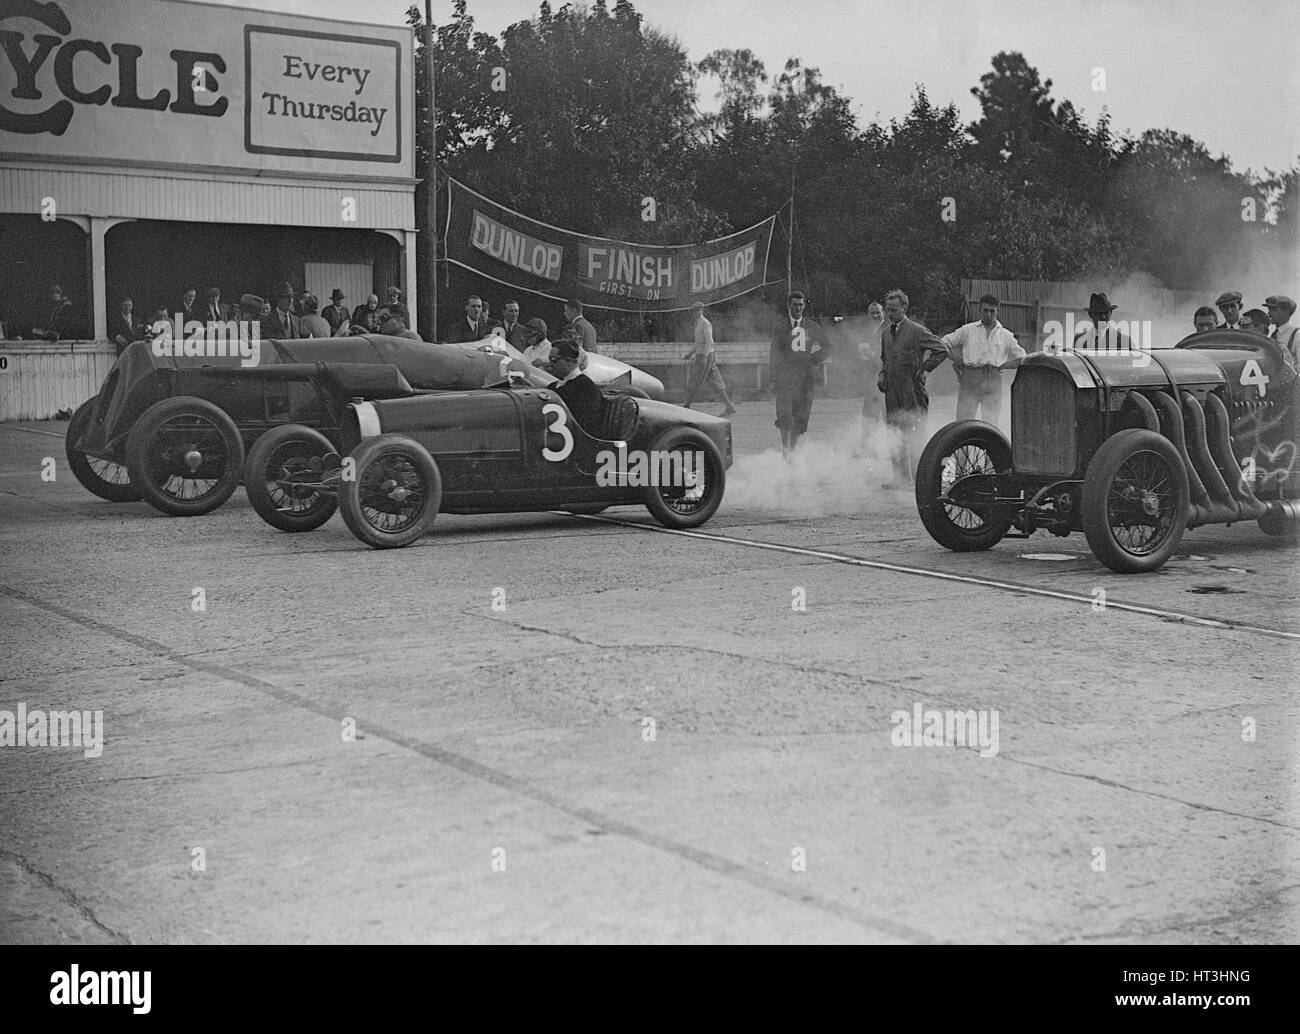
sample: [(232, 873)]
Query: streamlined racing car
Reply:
[(1129, 447), (174, 429), (506, 449)]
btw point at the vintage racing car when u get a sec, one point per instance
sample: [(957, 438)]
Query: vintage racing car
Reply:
[(506, 449), (174, 429), (1130, 448)]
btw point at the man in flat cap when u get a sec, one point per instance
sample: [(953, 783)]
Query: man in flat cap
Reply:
[(1229, 304), (1103, 335), (580, 394), (1281, 309)]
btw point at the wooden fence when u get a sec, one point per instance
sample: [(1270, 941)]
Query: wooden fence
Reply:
[(40, 378)]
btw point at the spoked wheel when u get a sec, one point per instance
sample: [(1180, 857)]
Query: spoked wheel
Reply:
[(185, 455), (696, 478), (292, 478), (395, 494), (105, 478), (1135, 501), (968, 449)]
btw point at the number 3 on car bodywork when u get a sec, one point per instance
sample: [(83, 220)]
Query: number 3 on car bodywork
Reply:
[(560, 427)]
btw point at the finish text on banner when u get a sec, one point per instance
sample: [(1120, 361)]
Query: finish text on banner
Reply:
[(531, 255)]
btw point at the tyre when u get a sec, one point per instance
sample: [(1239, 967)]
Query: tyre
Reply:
[(1135, 501), (962, 449), (185, 456), (692, 503), (105, 478), (284, 475), (395, 493)]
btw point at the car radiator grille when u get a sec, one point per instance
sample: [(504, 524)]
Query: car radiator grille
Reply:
[(1042, 422)]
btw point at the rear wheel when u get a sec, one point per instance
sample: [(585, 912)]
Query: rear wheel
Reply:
[(395, 493), (961, 450), (690, 458), (185, 456), (1135, 501), (105, 478), (286, 470)]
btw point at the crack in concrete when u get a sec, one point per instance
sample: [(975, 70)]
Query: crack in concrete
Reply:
[(512, 784), (66, 894)]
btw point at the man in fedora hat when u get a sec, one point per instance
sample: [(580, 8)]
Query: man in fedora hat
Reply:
[(336, 314), (282, 324), (1229, 304), (1101, 334), (250, 309)]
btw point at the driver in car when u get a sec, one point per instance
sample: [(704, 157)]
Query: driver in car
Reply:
[(580, 394)]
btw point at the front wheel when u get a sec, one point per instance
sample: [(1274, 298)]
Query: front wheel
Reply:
[(393, 494), (185, 455), (691, 478), (966, 449), (1135, 501), (105, 478), (291, 478)]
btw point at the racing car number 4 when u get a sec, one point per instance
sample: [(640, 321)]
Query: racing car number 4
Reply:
[(1252, 374)]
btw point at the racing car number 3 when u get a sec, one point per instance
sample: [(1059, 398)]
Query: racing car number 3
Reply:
[(560, 427)]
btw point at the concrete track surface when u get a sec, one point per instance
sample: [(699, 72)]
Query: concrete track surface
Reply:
[(587, 729)]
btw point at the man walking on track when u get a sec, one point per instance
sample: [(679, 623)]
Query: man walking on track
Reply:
[(704, 369)]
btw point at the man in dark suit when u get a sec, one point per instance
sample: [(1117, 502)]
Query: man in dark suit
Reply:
[(123, 328), (579, 326), (189, 306), (580, 394), (213, 310), (282, 324), (908, 351), (1229, 304), (336, 313), (799, 347), (515, 332), (469, 328)]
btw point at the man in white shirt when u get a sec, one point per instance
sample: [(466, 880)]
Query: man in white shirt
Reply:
[(1281, 310), (704, 369), (980, 351)]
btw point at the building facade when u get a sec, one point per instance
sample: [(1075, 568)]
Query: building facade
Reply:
[(150, 146)]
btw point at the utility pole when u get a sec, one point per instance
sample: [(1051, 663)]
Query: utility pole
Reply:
[(789, 244), (431, 178)]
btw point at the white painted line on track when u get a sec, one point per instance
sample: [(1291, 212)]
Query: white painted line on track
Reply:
[(988, 583), (33, 430)]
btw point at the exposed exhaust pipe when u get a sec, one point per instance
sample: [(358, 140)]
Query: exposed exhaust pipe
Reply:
[(1281, 517), (1220, 441), (1222, 508)]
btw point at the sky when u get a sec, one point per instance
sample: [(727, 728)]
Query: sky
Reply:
[(1226, 74)]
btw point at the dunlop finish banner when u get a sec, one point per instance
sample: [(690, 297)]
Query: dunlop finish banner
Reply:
[(512, 249)]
